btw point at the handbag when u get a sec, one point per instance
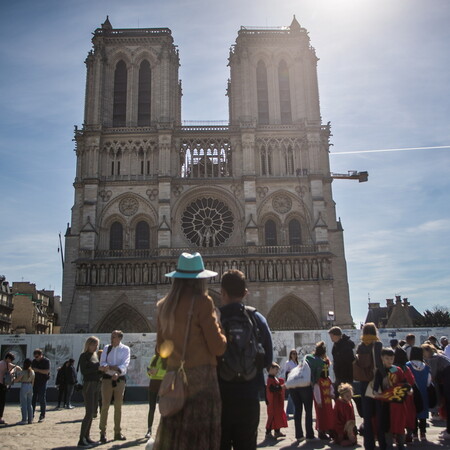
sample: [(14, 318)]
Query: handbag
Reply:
[(173, 389), (299, 376)]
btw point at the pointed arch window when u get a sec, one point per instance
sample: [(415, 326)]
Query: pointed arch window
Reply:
[(144, 95), (116, 236), (270, 233), (285, 93), (289, 161), (120, 95), (295, 235), (142, 235), (262, 93), (266, 160)]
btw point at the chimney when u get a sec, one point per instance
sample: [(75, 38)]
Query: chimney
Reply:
[(389, 302), (405, 302), (398, 299), (374, 305)]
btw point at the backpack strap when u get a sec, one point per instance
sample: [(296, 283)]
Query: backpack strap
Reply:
[(251, 314)]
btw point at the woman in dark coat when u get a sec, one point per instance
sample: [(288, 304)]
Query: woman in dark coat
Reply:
[(89, 364)]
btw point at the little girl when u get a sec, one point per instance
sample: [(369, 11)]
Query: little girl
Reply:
[(323, 402), (26, 377), (276, 417), (344, 417)]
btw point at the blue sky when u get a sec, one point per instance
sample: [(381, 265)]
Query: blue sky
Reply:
[(384, 81)]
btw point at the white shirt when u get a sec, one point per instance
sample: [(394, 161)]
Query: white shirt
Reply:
[(119, 356), (447, 351)]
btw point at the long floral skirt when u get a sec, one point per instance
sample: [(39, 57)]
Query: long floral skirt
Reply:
[(197, 425)]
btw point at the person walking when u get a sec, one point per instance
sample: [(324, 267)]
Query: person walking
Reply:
[(89, 365), (368, 358), (41, 367), (241, 397), (114, 365), (26, 378), (197, 425)]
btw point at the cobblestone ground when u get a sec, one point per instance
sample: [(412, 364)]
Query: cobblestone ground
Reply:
[(61, 427)]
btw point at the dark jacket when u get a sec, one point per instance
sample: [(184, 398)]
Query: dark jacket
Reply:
[(70, 374), (89, 368), (343, 357)]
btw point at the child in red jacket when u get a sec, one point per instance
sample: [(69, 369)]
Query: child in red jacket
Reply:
[(276, 417), (344, 417)]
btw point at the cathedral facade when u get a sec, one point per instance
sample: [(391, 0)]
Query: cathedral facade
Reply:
[(253, 194)]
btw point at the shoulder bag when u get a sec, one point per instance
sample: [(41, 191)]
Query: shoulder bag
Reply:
[(173, 390)]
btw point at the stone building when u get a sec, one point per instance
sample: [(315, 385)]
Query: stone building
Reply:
[(253, 194), (33, 311), (6, 306), (398, 314)]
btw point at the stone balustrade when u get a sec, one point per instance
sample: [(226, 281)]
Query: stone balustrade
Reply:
[(152, 272)]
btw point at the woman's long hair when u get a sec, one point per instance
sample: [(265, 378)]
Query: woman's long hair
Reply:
[(295, 358), (27, 365), (91, 340), (169, 303)]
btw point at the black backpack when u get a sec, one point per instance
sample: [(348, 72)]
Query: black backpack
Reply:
[(244, 356)]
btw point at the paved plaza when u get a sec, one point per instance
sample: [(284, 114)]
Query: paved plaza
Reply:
[(60, 430)]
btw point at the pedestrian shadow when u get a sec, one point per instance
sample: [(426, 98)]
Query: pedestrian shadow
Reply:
[(109, 445), (61, 422)]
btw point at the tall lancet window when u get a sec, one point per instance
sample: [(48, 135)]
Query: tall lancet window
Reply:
[(295, 235), (142, 235), (144, 96), (285, 93), (116, 236), (120, 95), (262, 93), (270, 233)]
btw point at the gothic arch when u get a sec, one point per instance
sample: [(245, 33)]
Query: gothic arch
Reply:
[(292, 313), (120, 54), (123, 317), (142, 54)]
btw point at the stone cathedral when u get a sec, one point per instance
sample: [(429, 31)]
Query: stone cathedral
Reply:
[(253, 193)]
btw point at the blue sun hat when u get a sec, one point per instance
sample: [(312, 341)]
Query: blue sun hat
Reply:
[(191, 266)]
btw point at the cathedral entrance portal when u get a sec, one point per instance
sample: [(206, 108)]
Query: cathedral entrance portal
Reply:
[(124, 317), (291, 313)]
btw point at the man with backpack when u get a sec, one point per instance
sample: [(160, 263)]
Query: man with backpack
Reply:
[(240, 369)]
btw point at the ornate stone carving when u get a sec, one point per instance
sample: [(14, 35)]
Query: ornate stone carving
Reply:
[(128, 206), (281, 203), (152, 194), (262, 191), (207, 222), (105, 195)]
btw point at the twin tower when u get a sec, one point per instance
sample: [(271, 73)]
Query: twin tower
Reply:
[(253, 193)]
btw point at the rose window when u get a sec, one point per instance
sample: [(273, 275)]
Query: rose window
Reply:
[(207, 222)]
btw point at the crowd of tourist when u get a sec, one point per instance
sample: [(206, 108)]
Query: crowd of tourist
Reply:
[(208, 376)]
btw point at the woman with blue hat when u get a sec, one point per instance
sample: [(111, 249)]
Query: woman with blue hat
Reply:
[(188, 311)]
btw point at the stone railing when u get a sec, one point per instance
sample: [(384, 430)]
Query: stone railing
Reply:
[(246, 251), (277, 268)]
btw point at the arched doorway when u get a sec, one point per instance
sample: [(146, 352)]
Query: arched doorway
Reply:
[(124, 317), (291, 313)]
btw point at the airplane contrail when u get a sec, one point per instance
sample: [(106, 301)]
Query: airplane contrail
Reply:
[(391, 150)]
